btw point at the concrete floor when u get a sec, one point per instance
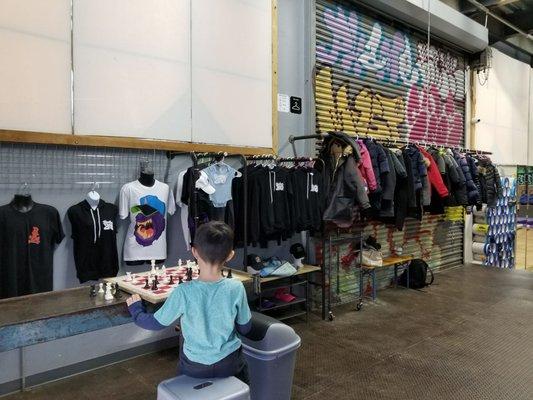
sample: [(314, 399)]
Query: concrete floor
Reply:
[(470, 336)]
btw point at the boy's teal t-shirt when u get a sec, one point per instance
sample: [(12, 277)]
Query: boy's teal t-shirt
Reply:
[(208, 312)]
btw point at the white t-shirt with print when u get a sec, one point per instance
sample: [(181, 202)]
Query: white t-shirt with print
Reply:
[(147, 207)]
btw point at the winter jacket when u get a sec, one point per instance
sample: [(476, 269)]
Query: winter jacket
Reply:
[(347, 190), (471, 188), (434, 174), (414, 201), (380, 162), (491, 177), (417, 164), (458, 196), (365, 166), (472, 165), (389, 184), (401, 191)]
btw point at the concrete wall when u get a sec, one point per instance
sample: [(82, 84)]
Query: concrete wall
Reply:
[(504, 105)]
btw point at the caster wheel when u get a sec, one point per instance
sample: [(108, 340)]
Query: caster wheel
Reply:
[(331, 317), (359, 306)]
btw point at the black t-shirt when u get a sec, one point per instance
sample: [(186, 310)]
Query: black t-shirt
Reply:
[(95, 240), (27, 242)]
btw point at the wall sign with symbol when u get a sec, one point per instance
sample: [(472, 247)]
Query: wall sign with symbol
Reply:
[(296, 105)]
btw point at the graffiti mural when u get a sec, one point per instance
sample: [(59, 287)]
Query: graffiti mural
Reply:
[(372, 79)]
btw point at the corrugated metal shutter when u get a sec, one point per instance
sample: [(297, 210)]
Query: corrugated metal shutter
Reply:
[(371, 79)]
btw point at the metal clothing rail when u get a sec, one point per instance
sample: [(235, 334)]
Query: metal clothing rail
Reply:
[(388, 142)]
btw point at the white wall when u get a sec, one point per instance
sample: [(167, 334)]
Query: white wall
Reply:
[(187, 70), (503, 104)]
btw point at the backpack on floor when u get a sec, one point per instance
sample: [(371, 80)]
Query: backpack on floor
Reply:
[(418, 272)]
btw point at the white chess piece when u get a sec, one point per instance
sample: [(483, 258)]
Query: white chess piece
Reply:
[(101, 287), (108, 295), (153, 270), (128, 277), (179, 262), (164, 270)]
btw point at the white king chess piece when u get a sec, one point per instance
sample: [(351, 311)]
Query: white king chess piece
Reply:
[(153, 271), (108, 295)]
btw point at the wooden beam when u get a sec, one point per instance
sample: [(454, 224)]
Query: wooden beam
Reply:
[(15, 136)]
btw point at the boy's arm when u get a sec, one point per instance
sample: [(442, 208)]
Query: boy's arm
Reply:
[(243, 321), (142, 318)]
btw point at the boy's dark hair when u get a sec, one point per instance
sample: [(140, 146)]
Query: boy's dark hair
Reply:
[(214, 241)]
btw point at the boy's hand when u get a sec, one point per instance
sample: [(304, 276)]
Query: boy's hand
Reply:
[(133, 299)]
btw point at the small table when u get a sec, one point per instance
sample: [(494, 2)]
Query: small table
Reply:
[(391, 261)]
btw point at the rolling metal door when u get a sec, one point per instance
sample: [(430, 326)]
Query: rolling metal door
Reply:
[(372, 79)]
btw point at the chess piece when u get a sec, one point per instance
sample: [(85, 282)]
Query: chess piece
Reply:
[(101, 288), (128, 277), (108, 295), (147, 285), (92, 292), (189, 274), (153, 271), (171, 281), (163, 270), (179, 262), (156, 280), (230, 275), (180, 281), (118, 294), (154, 284)]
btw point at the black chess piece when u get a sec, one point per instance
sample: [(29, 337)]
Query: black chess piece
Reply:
[(118, 294), (189, 274), (229, 274), (171, 281), (156, 280), (154, 285), (147, 285), (180, 281), (92, 293)]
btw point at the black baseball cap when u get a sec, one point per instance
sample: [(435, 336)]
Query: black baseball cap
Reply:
[(297, 250), (254, 261)]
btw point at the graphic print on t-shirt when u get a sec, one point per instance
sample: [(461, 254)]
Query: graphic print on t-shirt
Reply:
[(34, 237), (149, 220), (108, 225)]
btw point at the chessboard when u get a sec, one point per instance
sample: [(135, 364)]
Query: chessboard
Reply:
[(166, 282)]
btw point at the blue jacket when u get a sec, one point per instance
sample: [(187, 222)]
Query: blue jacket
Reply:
[(471, 188)]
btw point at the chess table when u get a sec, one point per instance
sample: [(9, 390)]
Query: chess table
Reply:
[(164, 289)]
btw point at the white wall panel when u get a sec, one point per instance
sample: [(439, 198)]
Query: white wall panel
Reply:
[(131, 68), (35, 65), (231, 72), (502, 104)]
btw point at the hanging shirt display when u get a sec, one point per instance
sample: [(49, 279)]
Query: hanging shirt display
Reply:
[(147, 207), (95, 240), (220, 177), (27, 243)]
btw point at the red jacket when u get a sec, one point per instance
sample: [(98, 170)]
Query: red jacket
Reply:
[(434, 175)]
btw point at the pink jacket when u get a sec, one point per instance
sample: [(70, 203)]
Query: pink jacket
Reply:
[(365, 166)]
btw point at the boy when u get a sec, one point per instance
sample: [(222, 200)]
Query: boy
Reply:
[(211, 309)]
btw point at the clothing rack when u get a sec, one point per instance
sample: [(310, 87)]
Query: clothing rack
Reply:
[(217, 157), (389, 142)]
